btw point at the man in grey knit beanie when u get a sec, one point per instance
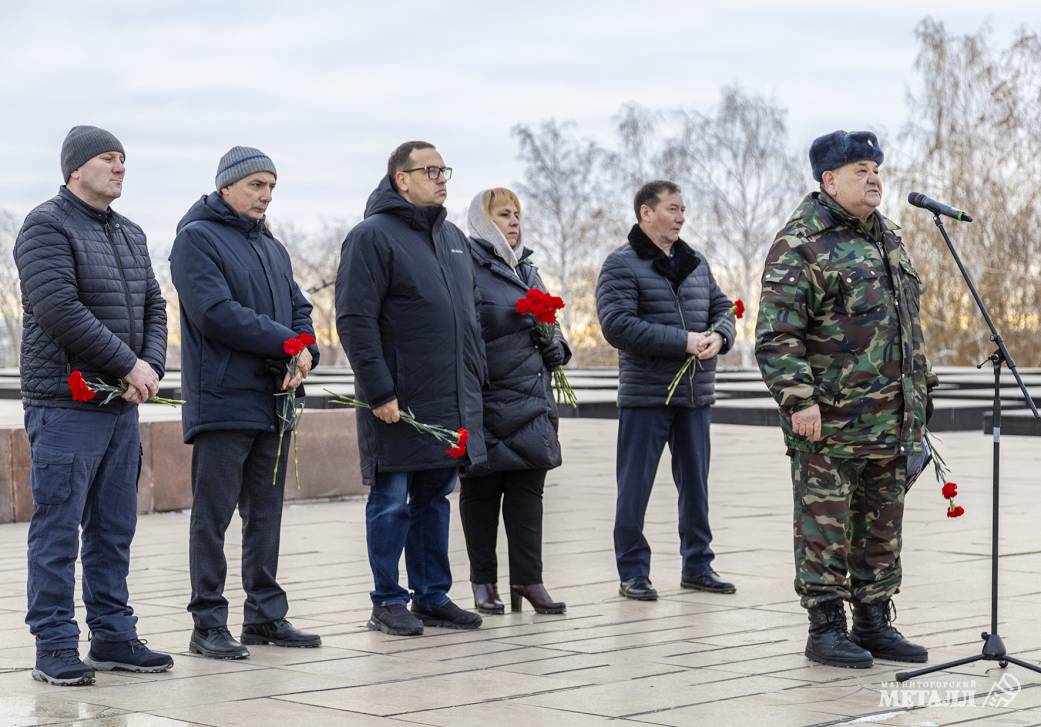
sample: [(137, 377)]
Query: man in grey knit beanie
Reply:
[(241, 161), (82, 144)]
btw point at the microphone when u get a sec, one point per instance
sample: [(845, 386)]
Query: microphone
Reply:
[(937, 208)]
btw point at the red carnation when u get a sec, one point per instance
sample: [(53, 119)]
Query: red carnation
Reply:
[(306, 338), (459, 449), (950, 490), (293, 346), (956, 511), (739, 308), (80, 390)]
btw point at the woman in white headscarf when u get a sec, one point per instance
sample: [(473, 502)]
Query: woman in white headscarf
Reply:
[(520, 416)]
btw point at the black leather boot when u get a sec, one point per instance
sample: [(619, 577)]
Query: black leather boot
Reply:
[(873, 630), (537, 596), (486, 598), (829, 643)]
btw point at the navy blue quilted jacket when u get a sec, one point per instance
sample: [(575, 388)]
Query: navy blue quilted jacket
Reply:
[(646, 316), (90, 300)]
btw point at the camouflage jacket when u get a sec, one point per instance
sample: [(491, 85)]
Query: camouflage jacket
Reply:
[(839, 327)]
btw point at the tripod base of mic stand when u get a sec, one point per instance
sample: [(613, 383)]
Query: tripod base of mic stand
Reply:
[(993, 650)]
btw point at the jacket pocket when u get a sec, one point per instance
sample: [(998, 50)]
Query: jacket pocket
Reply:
[(51, 475), (862, 290), (912, 286)]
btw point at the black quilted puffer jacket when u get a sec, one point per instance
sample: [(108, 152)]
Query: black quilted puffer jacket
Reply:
[(647, 303), (520, 415), (90, 300)]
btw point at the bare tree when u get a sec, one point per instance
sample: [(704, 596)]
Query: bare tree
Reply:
[(566, 218), (316, 257), (972, 140), (10, 292)]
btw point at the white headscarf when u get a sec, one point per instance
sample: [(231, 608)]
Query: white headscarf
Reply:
[(482, 227)]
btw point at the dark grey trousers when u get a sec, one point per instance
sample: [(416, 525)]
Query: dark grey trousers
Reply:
[(234, 468)]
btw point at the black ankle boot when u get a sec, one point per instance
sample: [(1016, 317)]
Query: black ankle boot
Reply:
[(873, 630), (486, 598), (829, 643), (537, 596)]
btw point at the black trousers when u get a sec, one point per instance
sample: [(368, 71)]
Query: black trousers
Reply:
[(520, 495), (229, 468)]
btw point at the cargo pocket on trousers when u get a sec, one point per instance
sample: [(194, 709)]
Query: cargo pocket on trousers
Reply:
[(51, 475)]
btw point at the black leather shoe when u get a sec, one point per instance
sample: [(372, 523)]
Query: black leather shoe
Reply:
[(279, 633), (638, 589), (708, 582), (873, 630), (447, 616), (394, 619), (828, 642), (486, 598), (216, 643)]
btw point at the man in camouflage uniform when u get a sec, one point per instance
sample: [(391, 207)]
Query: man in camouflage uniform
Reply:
[(839, 344)]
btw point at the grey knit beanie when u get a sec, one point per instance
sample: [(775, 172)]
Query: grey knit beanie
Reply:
[(241, 161), (82, 144)]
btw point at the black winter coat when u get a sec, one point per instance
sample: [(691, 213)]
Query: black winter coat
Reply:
[(90, 301), (646, 316), (407, 318), (520, 415), (239, 303)]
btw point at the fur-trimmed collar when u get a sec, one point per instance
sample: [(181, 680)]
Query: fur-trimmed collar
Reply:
[(675, 268)]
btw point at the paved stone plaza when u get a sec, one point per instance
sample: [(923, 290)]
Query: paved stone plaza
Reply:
[(688, 659)]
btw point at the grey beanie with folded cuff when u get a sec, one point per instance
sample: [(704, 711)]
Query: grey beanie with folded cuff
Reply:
[(241, 161), (82, 144)]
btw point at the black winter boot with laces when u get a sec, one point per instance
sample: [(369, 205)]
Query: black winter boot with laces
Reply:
[(62, 667), (829, 643), (873, 630)]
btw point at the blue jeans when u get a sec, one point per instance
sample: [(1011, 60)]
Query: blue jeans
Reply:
[(642, 435), (85, 466), (409, 511)]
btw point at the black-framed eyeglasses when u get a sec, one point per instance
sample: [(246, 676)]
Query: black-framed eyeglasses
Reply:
[(433, 172)]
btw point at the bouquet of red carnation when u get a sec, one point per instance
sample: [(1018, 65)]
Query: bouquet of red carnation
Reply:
[(455, 438), (738, 311), (291, 410), (83, 390), (543, 308)]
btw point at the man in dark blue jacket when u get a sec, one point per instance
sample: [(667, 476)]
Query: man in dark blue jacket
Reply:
[(239, 304), (658, 303), (92, 305), (405, 312)]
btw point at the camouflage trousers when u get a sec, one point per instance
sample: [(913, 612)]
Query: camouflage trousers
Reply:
[(848, 527)]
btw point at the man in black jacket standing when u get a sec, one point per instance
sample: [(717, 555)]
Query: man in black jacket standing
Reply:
[(405, 312), (239, 305), (657, 301), (91, 304)]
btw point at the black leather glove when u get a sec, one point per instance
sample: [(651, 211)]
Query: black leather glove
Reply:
[(553, 354), (542, 335)]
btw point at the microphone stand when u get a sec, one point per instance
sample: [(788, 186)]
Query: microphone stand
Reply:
[(993, 646)]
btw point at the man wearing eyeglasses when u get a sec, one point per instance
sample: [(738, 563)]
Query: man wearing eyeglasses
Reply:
[(406, 315)]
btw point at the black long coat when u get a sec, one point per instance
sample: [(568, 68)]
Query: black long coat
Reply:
[(520, 416), (407, 318)]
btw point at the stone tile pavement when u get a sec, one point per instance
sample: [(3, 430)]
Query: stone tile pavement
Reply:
[(688, 659)]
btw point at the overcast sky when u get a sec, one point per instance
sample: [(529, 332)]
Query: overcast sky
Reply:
[(327, 89)]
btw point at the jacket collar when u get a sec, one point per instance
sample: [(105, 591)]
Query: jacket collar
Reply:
[(676, 268), (818, 212), (487, 257), (89, 210)]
